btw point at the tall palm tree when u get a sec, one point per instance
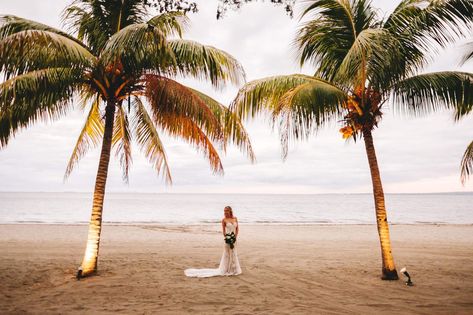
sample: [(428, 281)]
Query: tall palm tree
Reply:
[(122, 66), (363, 62)]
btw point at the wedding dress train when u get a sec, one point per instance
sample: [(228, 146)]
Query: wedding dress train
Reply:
[(229, 264)]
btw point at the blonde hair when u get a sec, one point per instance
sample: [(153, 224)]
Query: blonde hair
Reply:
[(229, 209)]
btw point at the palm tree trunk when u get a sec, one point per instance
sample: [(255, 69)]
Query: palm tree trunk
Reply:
[(89, 262), (389, 270)]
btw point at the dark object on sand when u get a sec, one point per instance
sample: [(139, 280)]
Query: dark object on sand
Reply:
[(408, 282)]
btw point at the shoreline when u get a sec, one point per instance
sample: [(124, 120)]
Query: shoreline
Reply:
[(138, 224), (458, 192)]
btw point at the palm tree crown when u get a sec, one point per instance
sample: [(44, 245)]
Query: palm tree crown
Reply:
[(122, 57), (362, 63)]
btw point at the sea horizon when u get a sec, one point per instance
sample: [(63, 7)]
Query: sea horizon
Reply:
[(206, 208)]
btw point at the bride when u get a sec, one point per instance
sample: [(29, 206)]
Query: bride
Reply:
[(229, 264)]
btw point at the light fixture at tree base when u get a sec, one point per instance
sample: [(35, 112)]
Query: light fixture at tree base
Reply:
[(408, 282)]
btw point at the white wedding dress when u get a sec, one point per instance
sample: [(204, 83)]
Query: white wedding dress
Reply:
[(229, 264)]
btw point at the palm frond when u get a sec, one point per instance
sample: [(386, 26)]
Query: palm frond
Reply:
[(10, 24), (167, 96), (432, 91), (149, 140), (267, 95), (88, 29), (185, 128), (466, 165), (412, 56), (263, 95), (36, 95), (182, 113), (206, 62), (170, 23), (138, 47), (405, 11), (95, 21), (233, 129), (366, 59), (328, 36), (307, 107), (121, 141), (87, 95), (422, 27), (90, 136), (300, 103), (38, 49), (423, 21)]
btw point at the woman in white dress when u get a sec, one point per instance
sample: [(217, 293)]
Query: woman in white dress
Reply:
[(229, 264)]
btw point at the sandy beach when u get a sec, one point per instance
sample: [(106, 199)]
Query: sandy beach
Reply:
[(286, 270)]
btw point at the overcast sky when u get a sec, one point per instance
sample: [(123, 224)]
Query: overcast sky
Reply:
[(415, 154)]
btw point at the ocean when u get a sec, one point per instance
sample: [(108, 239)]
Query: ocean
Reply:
[(188, 209)]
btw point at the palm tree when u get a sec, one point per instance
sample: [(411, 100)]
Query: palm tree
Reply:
[(362, 63), (122, 66)]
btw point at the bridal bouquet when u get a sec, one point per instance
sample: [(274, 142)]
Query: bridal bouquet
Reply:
[(230, 239)]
